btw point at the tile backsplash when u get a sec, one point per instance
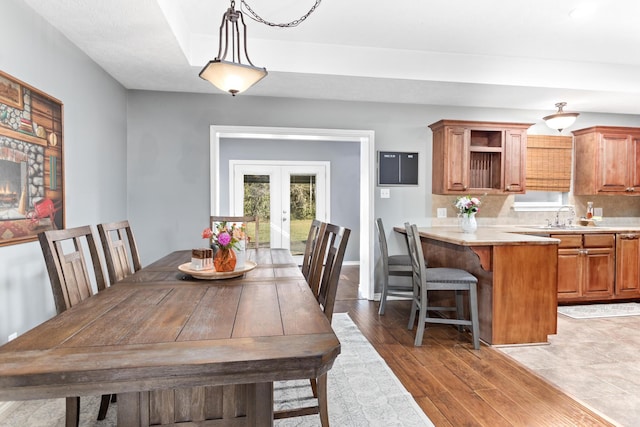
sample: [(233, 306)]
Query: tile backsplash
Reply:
[(498, 210)]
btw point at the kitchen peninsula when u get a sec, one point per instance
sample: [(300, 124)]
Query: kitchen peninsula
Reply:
[(517, 278)]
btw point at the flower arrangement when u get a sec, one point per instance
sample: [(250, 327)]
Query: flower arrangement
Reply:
[(225, 235), (467, 205)]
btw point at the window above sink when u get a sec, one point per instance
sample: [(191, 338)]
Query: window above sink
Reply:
[(540, 201)]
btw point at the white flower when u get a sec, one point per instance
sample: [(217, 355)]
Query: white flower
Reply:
[(467, 204)]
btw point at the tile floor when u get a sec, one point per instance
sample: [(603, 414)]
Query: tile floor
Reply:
[(596, 361)]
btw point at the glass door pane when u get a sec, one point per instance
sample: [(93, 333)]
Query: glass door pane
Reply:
[(302, 208), (257, 201)]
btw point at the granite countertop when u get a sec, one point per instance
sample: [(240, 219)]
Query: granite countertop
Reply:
[(503, 235), (484, 236)]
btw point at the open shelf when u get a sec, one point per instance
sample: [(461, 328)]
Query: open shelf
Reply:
[(486, 138), (485, 170)]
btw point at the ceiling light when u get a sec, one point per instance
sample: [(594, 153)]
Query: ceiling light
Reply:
[(232, 76), (560, 120)]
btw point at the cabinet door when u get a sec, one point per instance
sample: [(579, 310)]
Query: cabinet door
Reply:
[(627, 265), (569, 273), (457, 158), (515, 162), (612, 168), (599, 272), (634, 163)]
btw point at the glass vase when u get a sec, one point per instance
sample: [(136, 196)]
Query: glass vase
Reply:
[(468, 223), (241, 253), (224, 260)]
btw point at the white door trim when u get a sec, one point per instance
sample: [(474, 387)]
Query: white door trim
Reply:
[(367, 179)]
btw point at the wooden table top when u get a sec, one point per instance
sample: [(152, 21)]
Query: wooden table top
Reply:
[(161, 328)]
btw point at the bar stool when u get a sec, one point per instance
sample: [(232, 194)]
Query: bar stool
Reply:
[(392, 265), (440, 279)]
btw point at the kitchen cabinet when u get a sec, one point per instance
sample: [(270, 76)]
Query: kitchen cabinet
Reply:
[(627, 283), (586, 266), (607, 161), (478, 157)]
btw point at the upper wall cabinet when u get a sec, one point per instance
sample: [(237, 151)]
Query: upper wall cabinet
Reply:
[(607, 161), (479, 157)]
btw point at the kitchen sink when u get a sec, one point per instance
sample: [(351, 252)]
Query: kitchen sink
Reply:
[(556, 227)]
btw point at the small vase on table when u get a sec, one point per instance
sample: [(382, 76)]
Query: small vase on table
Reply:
[(224, 260), (468, 222)]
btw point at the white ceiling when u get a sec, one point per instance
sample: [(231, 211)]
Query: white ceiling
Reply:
[(481, 53)]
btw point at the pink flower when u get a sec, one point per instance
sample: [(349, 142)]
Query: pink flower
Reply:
[(207, 233), (224, 239)]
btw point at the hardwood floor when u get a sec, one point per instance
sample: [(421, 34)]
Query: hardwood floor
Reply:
[(454, 384)]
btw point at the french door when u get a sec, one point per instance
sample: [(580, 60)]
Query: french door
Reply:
[(286, 196)]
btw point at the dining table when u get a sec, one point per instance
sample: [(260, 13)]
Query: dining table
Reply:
[(178, 348)]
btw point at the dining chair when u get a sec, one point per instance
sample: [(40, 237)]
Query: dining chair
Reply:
[(392, 265), (70, 283), (254, 242), (333, 244), (120, 250), (312, 248), (428, 279)]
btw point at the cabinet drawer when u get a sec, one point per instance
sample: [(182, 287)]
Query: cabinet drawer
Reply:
[(568, 240), (599, 240)]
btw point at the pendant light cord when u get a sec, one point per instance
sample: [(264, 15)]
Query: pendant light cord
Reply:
[(294, 23)]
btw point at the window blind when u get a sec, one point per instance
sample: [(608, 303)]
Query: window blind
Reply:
[(549, 162)]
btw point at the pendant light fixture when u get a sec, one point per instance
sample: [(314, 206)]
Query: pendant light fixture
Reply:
[(235, 76), (232, 76), (560, 119)]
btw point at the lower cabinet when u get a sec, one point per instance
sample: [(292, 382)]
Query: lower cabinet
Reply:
[(586, 266), (627, 265)]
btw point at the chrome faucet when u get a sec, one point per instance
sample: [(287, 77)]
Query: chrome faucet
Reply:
[(568, 221)]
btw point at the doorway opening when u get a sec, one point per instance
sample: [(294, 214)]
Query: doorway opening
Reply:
[(365, 139)]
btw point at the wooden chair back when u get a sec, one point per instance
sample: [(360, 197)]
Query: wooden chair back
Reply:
[(120, 250), (68, 271), (418, 262), (312, 247), (328, 266), (384, 250), (254, 241)]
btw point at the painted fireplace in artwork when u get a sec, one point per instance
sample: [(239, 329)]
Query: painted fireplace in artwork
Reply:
[(31, 162)]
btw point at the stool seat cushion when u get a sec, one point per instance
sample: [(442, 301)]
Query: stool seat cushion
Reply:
[(449, 275)]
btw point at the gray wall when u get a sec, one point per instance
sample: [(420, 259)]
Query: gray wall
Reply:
[(94, 152), (344, 158)]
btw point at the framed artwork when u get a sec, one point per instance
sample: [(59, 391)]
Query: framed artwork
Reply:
[(31, 162)]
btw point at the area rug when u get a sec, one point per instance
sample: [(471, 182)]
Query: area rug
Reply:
[(362, 389), (593, 311)]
